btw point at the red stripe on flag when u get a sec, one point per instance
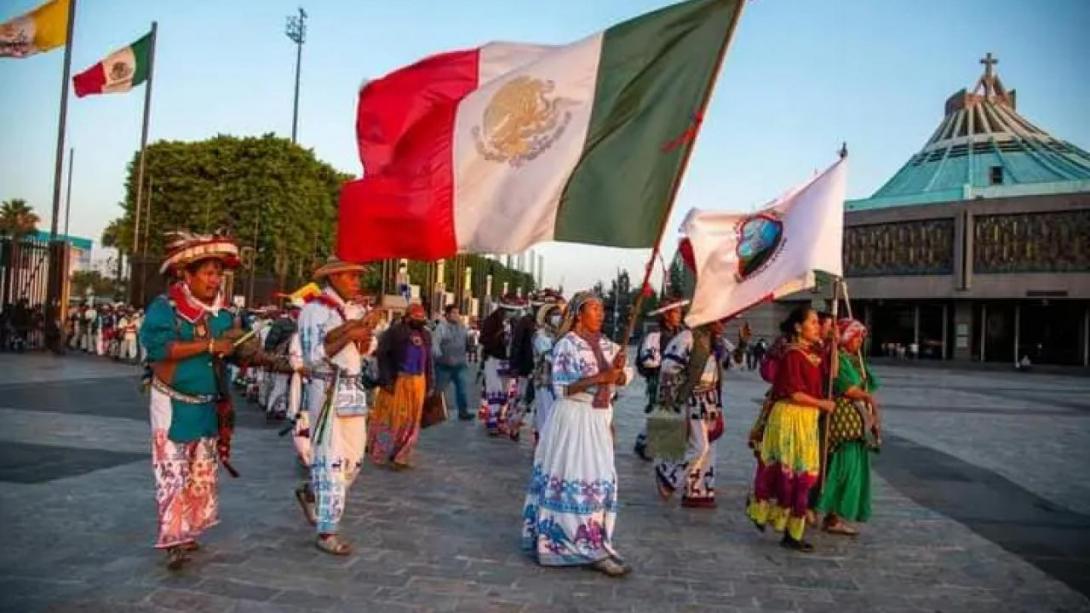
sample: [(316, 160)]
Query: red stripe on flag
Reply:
[(404, 205), (90, 81), (388, 218), (392, 106)]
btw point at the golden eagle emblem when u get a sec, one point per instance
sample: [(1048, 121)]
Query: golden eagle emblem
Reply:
[(120, 71), (520, 121)]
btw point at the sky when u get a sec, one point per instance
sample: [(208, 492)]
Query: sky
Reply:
[(800, 77)]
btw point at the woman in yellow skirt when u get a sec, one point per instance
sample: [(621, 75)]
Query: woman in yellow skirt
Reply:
[(790, 452), (405, 377)]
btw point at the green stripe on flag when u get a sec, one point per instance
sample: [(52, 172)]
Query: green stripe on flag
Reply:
[(141, 50), (652, 78)]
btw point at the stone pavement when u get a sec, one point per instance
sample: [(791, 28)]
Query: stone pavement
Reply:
[(981, 504)]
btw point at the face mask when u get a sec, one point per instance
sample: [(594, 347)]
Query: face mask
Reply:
[(554, 320)]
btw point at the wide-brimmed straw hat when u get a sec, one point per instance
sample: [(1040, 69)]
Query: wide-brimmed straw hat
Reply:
[(184, 248), (334, 265)]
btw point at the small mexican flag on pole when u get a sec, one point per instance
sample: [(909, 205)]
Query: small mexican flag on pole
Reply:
[(119, 72)]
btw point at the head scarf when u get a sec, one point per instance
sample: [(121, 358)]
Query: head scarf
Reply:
[(572, 310), (849, 329)]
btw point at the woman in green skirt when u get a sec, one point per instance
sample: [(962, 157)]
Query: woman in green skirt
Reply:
[(845, 494)]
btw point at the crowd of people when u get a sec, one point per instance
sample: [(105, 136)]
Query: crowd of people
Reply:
[(353, 382)]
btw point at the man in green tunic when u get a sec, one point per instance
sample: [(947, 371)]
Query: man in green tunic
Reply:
[(187, 333)]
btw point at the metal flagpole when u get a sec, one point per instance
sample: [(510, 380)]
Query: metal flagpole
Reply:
[(728, 35), (147, 220), (56, 268), (144, 138), (68, 198)]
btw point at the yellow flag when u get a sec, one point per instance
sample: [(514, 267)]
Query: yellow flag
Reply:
[(42, 29)]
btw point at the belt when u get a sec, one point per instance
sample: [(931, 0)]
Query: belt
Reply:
[(181, 396), (328, 376)]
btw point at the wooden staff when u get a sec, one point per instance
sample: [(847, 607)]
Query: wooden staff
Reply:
[(833, 357)]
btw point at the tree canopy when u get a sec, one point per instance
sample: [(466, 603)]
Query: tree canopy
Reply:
[(265, 190)]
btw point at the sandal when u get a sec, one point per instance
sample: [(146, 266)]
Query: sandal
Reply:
[(333, 545), (840, 528), (306, 503), (176, 557), (610, 568), (664, 492)]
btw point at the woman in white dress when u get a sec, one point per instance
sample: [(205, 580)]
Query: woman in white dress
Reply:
[(571, 504)]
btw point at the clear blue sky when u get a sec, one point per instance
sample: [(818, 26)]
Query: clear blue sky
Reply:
[(800, 77)]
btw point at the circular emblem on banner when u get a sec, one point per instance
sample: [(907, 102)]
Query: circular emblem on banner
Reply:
[(520, 122), (760, 240)]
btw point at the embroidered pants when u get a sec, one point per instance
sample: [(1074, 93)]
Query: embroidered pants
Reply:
[(185, 488)]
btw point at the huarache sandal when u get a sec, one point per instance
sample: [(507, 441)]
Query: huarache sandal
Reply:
[(333, 545)]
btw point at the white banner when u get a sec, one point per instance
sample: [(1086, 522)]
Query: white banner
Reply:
[(742, 260)]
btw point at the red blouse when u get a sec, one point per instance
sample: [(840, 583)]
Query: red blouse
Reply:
[(800, 370)]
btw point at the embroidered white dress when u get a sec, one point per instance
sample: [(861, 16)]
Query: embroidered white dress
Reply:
[(571, 503)]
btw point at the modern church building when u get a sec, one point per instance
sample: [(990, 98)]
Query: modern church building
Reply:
[(978, 248)]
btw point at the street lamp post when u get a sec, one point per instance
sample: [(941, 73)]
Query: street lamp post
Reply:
[(297, 32)]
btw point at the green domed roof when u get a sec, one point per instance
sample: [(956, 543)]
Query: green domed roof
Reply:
[(984, 149)]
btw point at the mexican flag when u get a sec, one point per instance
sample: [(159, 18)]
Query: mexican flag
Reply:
[(493, 149), (119, 72)]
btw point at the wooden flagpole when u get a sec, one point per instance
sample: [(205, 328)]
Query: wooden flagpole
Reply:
[(645, 285), (833, 357)]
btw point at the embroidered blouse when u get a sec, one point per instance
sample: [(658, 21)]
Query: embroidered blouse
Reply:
[(573, 359)]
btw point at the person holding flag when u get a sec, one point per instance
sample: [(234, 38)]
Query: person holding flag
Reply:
[(845, 493), (571, 502), (790, 452)]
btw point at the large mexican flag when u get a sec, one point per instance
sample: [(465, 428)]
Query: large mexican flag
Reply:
[(119, 72), (493, 149)]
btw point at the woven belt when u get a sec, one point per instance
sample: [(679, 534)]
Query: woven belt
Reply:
[(181, 396)]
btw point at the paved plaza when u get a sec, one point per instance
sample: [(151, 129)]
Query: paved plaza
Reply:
[(982, 503)]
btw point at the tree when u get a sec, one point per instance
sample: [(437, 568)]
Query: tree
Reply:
[(17, 219), (99, 285), (268, 192)]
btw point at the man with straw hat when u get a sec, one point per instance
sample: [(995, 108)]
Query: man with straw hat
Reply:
[(335, 337), (187, 334)]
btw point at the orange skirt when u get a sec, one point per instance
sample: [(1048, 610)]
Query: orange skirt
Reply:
[(393, 427)]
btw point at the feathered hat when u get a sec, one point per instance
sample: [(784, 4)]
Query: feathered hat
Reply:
[(184, 248)]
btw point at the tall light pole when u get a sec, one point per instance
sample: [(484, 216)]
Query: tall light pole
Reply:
[(297, 32)]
